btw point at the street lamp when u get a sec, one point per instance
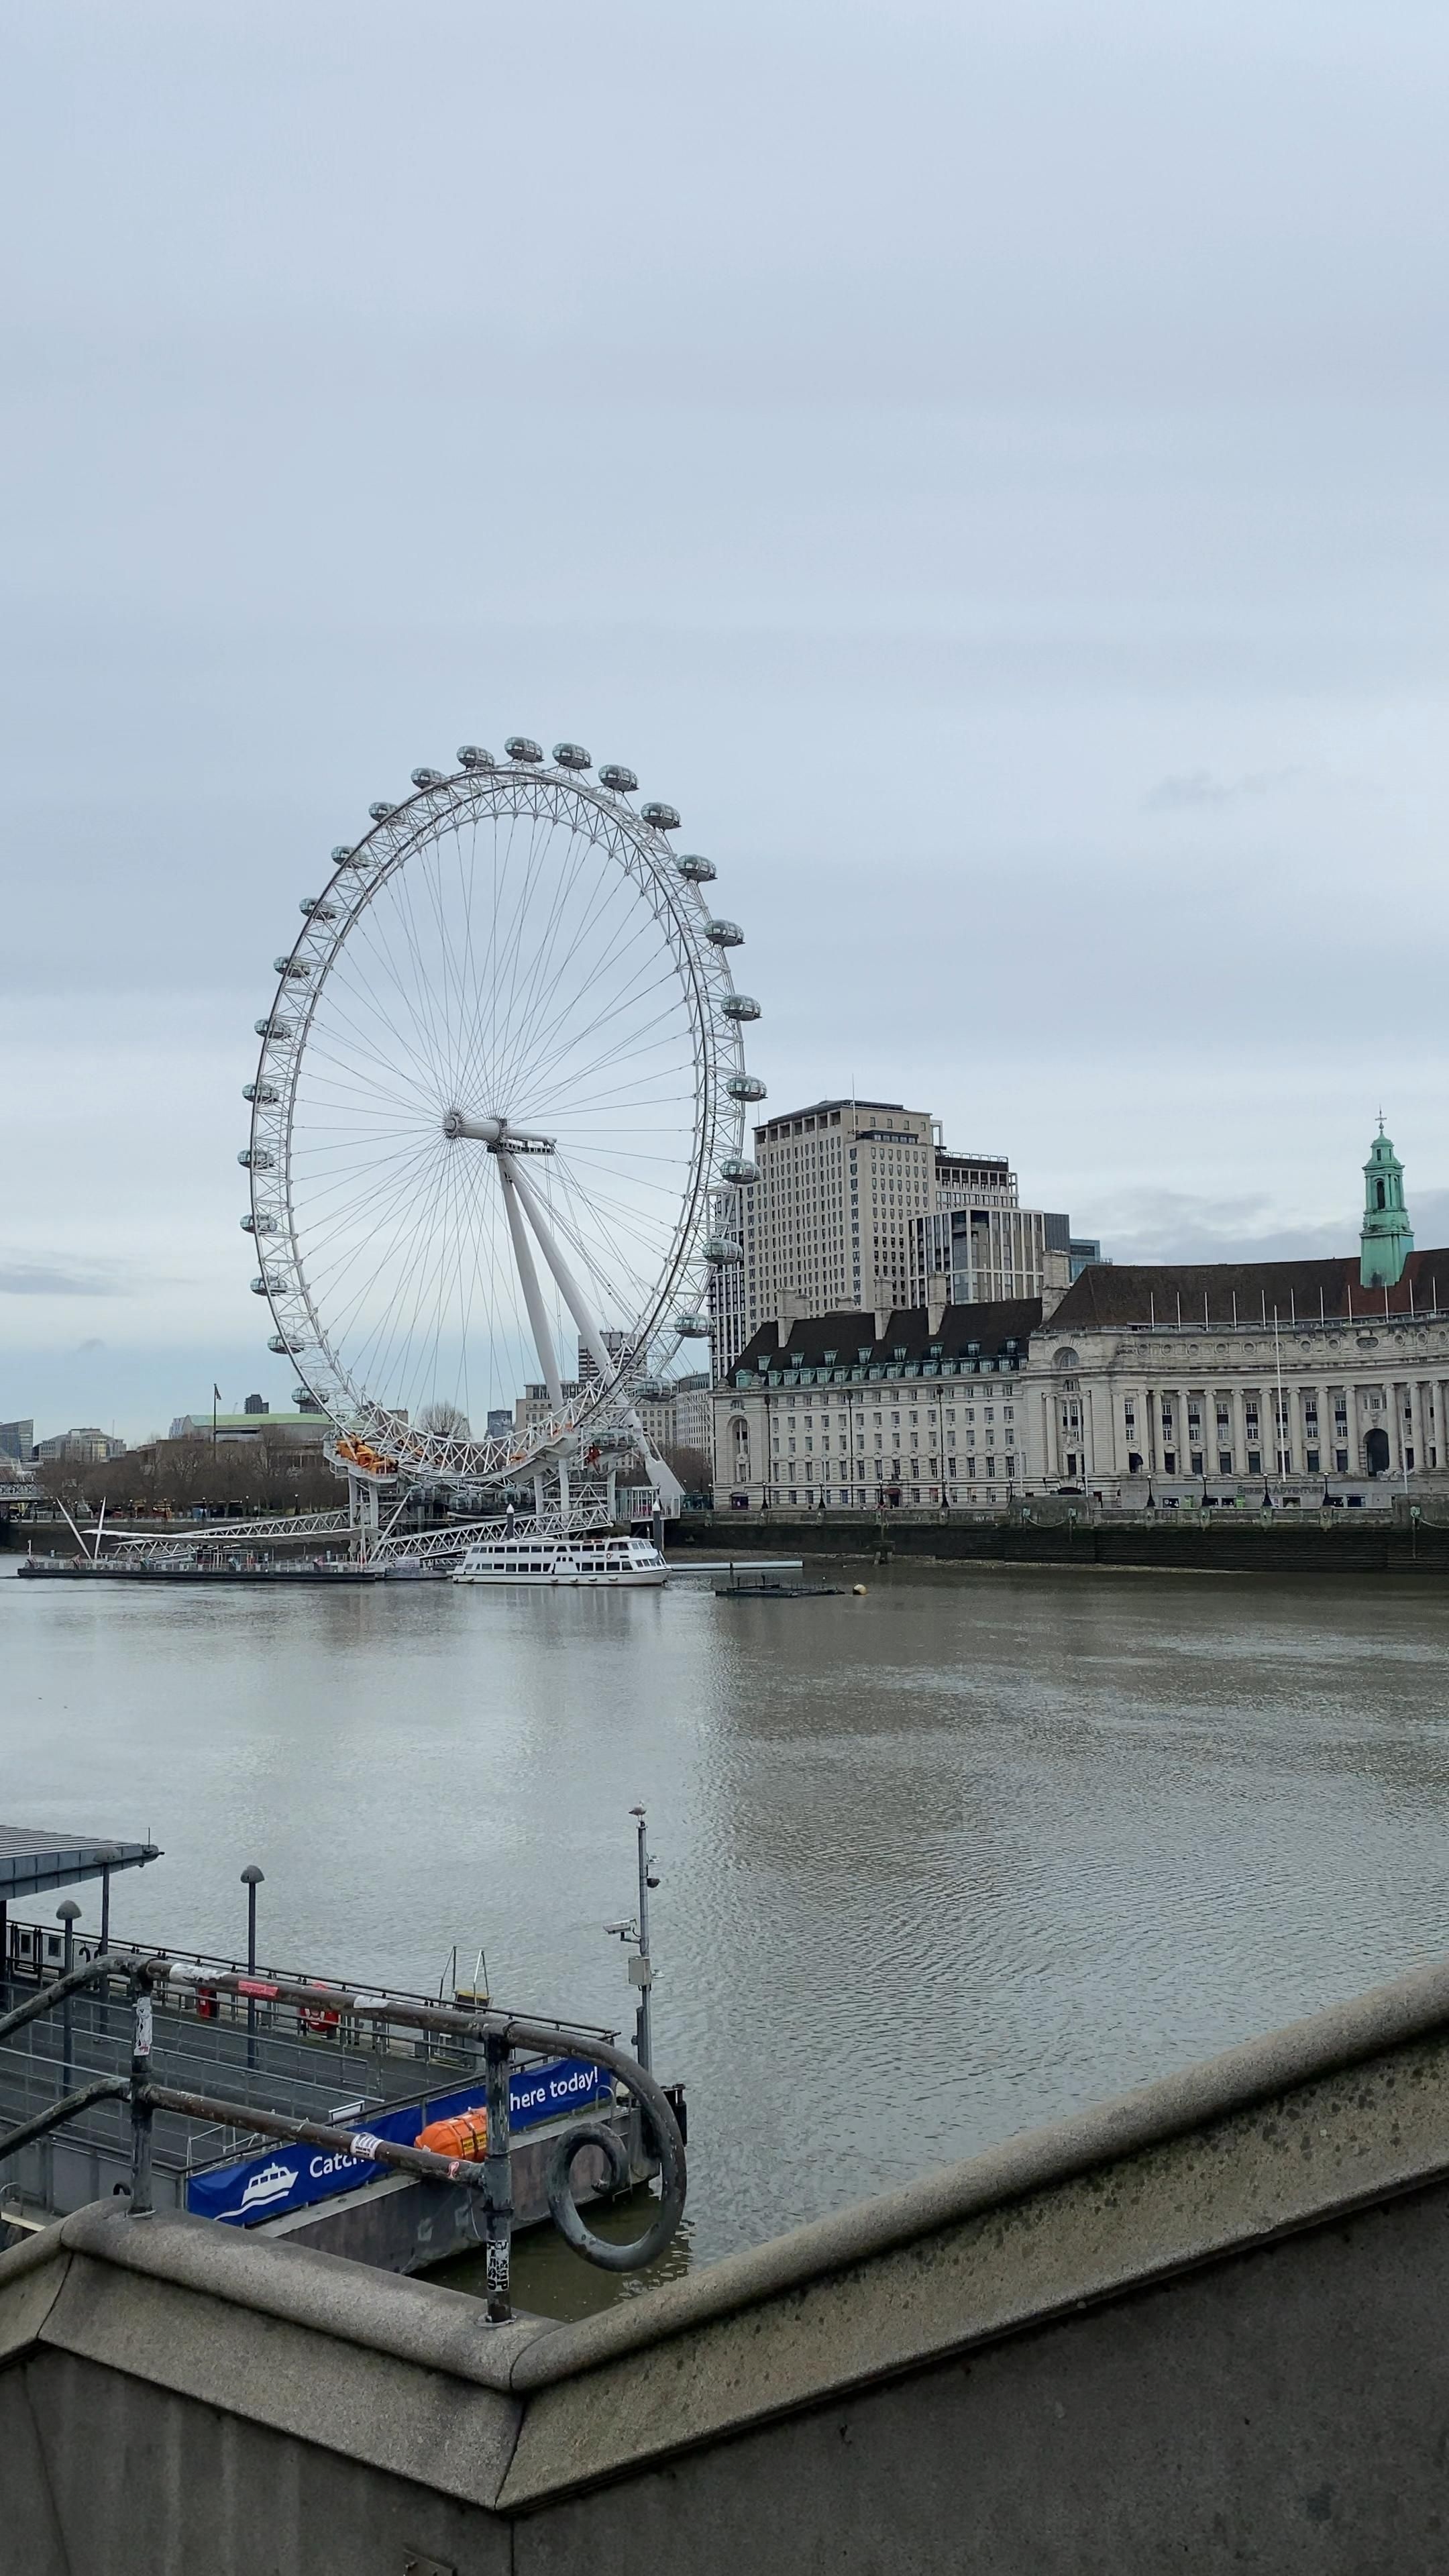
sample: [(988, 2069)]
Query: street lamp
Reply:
[(251, 1879), (67, 1913)]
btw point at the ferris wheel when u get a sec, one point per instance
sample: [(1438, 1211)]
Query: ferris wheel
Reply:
[(498, 1111)]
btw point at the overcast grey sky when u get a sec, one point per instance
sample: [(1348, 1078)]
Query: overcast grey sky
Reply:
[(987, 467)]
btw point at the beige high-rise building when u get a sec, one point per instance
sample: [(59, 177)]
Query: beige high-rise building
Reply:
[(829, 1223), (860, 1206)]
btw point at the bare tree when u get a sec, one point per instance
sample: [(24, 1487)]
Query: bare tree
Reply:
[(443, 1421), (693, 1468)]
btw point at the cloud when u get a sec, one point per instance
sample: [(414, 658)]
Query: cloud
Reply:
[(59, 1279), (1176, 1225), (1199, 791), (92, 1342)]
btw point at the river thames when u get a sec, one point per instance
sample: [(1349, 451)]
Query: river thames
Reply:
[(936, 1864)]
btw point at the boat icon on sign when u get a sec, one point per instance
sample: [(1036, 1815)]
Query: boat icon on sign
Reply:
[(270, 2182)]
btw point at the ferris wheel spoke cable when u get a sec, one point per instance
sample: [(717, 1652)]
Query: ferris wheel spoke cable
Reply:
[(393, 915), (504, 981), (351, 1282), (584, 945), (616, 1269), (626, 934), (365, 1031), (616, 1047), (547, 970)]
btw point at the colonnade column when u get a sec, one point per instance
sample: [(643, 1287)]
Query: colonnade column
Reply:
[(1240, 1430)]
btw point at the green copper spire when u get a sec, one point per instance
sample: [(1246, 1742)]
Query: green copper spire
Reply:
[(1387, 1237)]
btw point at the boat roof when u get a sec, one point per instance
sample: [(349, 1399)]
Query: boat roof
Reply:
[(31, 1861)]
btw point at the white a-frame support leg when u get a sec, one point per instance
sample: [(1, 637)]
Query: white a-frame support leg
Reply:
[(532, 1296), (666, 1484)]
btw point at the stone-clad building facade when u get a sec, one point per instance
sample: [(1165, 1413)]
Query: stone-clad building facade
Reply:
[(1290, 1376), (1199, 1383), (856, 1412), (1199, 1386)]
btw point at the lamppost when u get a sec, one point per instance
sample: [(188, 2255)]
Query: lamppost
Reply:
[(67, 1913), (251, 1879), (635, 1927)]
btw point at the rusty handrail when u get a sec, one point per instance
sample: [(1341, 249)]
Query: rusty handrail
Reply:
[(499, 2033)]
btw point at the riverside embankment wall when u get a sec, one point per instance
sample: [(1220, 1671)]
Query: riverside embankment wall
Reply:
[(1201, 2326), (1278, 1542)]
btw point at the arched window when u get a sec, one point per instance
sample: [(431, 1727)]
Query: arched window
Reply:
[(1380, 1188), (1065, 1360)]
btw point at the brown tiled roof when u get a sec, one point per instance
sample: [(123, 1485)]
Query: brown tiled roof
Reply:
[(987, 1329), (1215, 1292)]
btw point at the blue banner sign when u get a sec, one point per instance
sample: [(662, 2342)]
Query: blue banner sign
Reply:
[(289, 2177)]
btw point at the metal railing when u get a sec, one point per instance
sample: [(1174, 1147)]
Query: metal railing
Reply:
[(499, 2034)]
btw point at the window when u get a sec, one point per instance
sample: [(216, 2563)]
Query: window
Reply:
[(1225, 1462), (1340, 1462)]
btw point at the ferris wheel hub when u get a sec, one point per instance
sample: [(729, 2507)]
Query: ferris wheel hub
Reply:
[(496, 1134)]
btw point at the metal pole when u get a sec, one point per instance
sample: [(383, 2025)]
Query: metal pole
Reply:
[(498, 2184), (66, 1914), (141, 2111), (251, 1880), (644, 2051)]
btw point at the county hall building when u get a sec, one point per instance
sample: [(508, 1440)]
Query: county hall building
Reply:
[(1307, 1384)]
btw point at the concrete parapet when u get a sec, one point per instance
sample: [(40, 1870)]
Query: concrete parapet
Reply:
[(1200, 2325)]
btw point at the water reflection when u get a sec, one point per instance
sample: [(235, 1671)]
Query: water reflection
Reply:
[(937, 1864)]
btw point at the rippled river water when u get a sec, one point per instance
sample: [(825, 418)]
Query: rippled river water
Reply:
[(936, 1864)]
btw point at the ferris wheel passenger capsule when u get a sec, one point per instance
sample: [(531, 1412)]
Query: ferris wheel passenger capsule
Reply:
[(295, 969), (745, 1086), (255, 1158), (285, 1348), (663, 817), (739, 1169), (341, 854), (571, 755), (724, 934), (260, 1225), (740, 1006), (699, 871), (621, 780), (692, 1327), (268, 1286), (720, 1250), (518, 747), (312, 908), (428, 778), (265, 1092), (471, 755), (381, 810), (278, 1030)]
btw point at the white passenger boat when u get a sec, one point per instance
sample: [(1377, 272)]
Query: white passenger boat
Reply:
[(589, 1562)]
